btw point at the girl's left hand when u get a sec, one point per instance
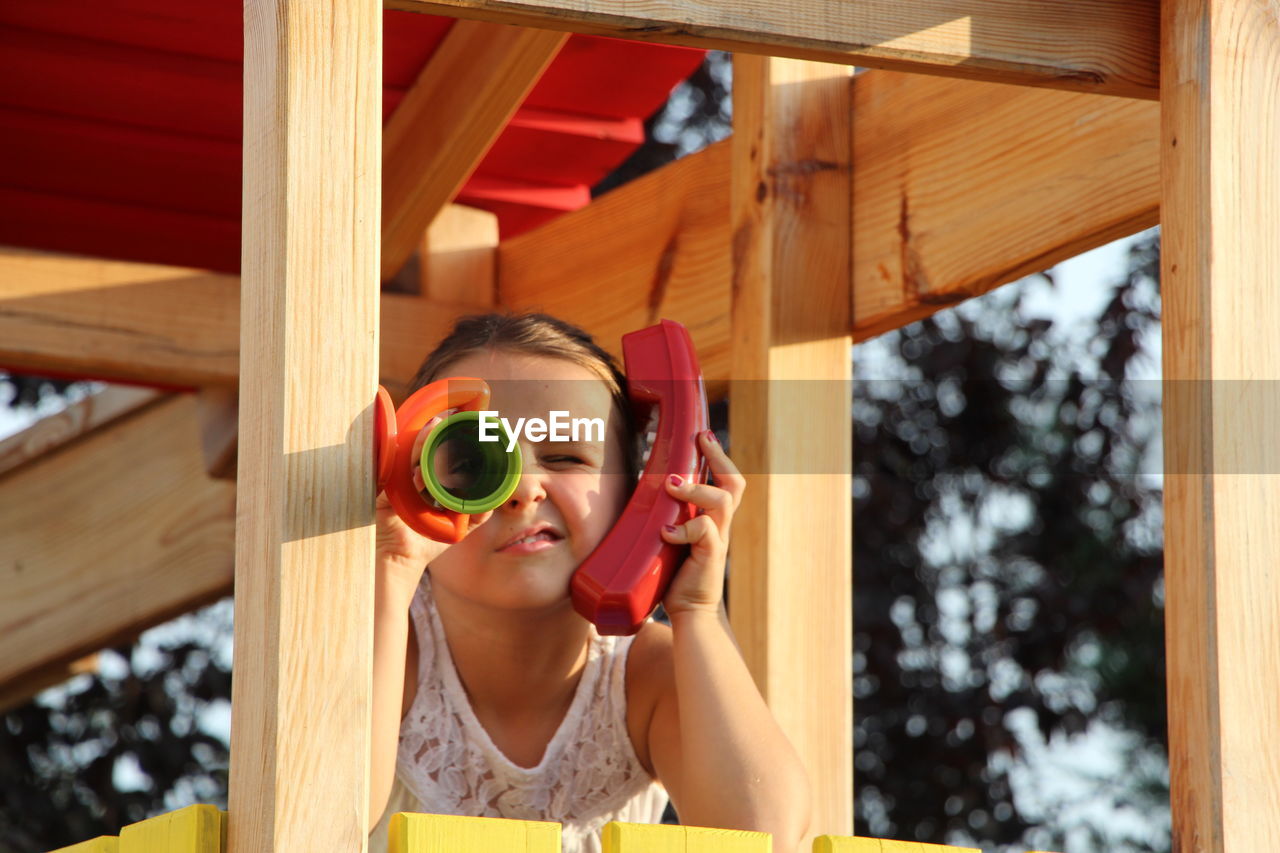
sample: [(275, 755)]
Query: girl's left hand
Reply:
[(699, 582)]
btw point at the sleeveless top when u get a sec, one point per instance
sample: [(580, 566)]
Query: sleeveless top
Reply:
[(589, 773)]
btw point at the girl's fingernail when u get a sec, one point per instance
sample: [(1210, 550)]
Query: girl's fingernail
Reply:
[(676, 480), (670, 528), (710, 436)]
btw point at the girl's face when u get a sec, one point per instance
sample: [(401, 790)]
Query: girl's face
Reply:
[(570, 492)]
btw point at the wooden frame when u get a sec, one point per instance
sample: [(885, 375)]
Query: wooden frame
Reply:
[(301, 697), (1092, 46), (792, 354), (1220, 194), (1220, 134)]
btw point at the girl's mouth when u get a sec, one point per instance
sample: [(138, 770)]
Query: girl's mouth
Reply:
[(540, 541)]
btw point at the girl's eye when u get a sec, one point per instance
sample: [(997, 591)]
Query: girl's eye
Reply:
[(570, 460)]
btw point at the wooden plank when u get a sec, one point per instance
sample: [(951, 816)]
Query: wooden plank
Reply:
[(656, 247), (309, 336), (472, 85), (433, 833), (194, 829), (23, 689), (791, 369), (459, 256), (219, 412), (1090, 46), (69, 425), (115, 319), (620, 837), (854, 844), (132, 534), (163, 325), (960, 187), (1221, 201)]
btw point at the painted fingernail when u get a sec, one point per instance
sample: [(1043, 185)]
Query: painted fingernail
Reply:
[(676, 480), (670, 528), (710, 436)]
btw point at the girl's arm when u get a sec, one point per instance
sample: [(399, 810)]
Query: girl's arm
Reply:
[(394, 587), (713, 742)]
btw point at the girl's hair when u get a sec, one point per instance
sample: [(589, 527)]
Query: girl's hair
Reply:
[(543, 335)]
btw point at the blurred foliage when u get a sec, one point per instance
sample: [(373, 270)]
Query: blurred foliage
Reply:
[(112, 748), (1008, 559)]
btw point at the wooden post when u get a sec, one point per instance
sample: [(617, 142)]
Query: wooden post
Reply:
[(1220, 104), (308, 373), (790, 422)]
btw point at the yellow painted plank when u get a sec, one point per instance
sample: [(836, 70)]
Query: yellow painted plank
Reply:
[(101, 844), (433, 833), (853, 844), (195, 829), (664, 838)]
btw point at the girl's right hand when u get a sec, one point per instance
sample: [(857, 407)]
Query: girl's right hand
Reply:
[(400, 548)]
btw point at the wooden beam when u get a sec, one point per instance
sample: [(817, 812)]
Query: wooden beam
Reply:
[(791, 372), (960, 187), (955, 193), (22, 690), (162, 325), (459, 257), (459, 104), (115, 319), (301, 684), (1220, 256), (110, 534), (657, 247), (1091, 46), (78, 419)]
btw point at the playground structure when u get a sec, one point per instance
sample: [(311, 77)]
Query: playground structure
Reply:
[(993, 138)]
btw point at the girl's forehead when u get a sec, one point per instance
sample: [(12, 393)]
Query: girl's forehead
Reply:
[(524, 380)]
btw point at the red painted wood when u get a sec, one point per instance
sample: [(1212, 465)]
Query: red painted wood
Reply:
[(120, 125)]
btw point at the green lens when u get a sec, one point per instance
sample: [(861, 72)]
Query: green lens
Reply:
[(464, 473)]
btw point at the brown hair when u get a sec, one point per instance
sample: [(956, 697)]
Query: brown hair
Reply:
[(544, 335)]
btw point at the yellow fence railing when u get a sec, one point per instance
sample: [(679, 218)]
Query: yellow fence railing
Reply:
[(195, 829), (203, 829)]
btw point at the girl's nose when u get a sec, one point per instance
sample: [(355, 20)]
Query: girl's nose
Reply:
[(532, 485)]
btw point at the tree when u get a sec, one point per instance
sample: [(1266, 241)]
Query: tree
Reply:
[(1007, 561)]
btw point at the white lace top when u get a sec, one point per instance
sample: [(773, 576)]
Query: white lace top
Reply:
[(588, 775)]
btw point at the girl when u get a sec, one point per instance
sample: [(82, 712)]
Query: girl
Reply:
[(493, 697)]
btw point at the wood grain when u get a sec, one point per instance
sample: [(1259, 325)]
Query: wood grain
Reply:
[(447, 121), (656, 247), (164, 325), (72, 423), (115, 533), (791, 374), (459, 257), (1221, 196), (1089, 45), (309, 344), (960, 187)]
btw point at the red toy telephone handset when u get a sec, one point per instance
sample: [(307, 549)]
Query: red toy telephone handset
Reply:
[(623, 579)]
